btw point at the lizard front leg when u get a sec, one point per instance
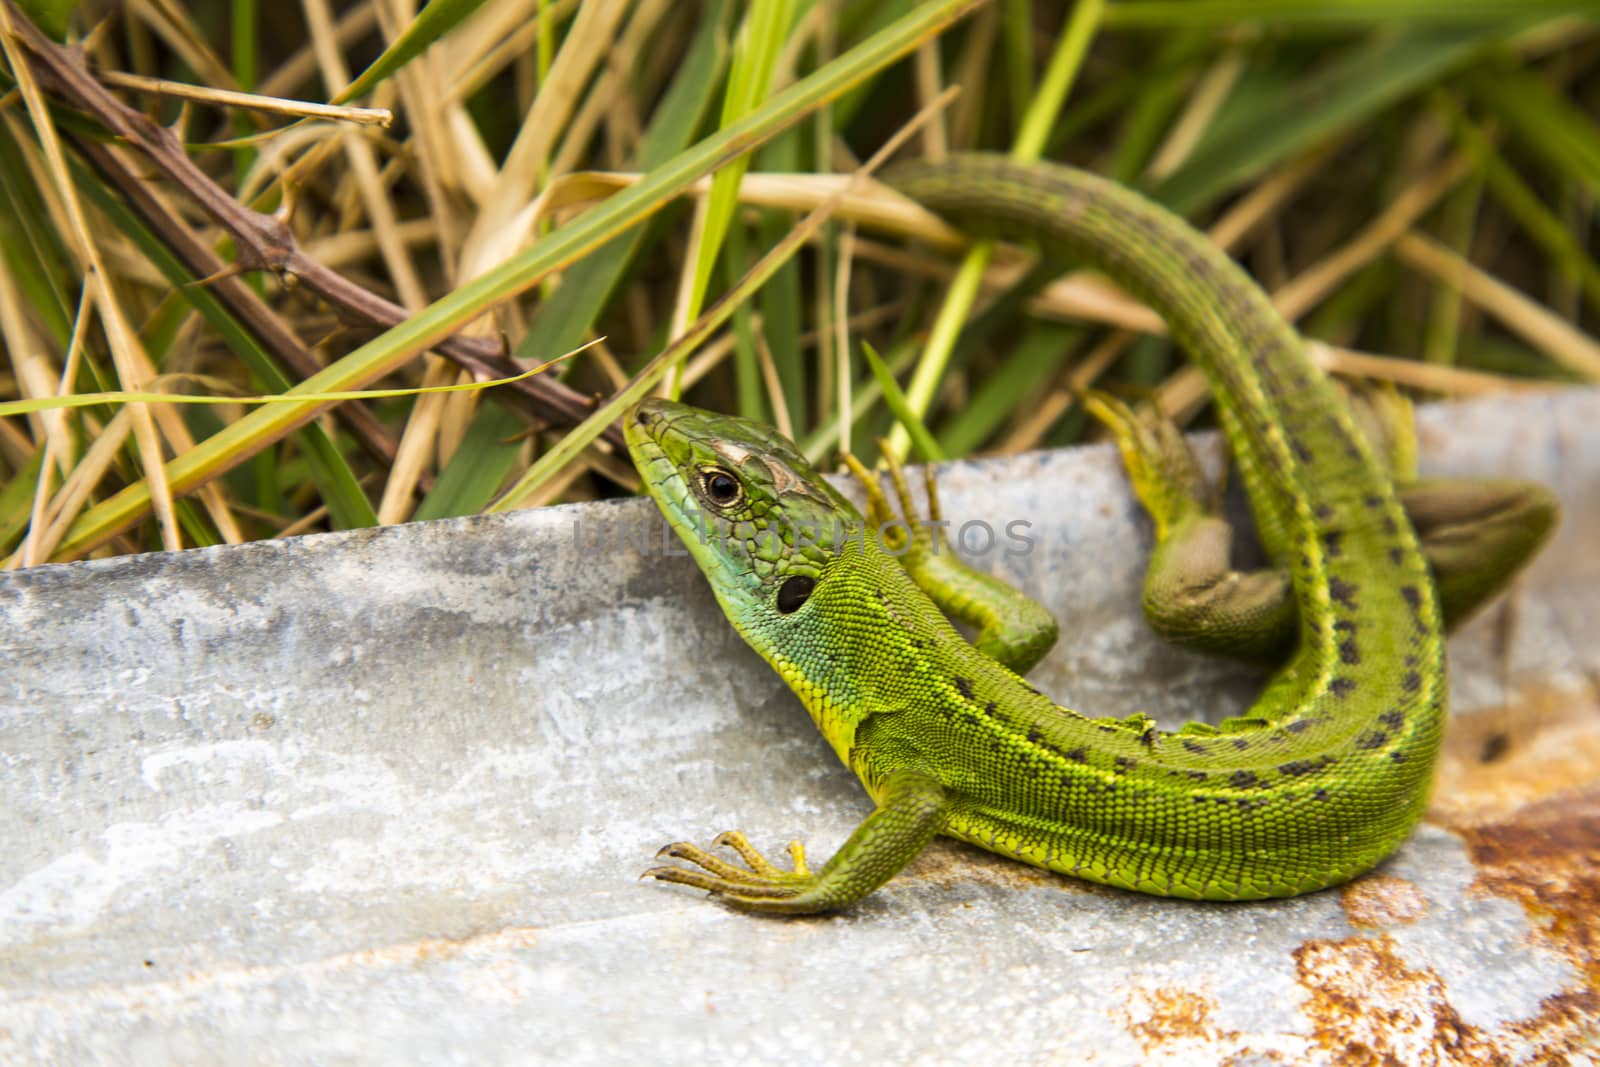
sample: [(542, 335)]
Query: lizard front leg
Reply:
[(1012, 628), (909, 814)]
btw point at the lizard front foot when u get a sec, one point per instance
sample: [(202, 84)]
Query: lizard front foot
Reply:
[(759, 885)]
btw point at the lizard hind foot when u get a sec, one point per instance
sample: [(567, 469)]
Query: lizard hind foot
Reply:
[(1163, 470), (759, 885)]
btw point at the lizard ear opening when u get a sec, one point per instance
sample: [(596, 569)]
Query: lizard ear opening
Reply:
[(793, 592)]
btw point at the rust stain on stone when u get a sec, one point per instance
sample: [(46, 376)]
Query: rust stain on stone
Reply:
[(1523, 792), (1171, 1021), (1382, 900), (1367, 1006), (1174, 1025), (1495, 762), (1171, 1013), (1522, 789), (1531, 821)]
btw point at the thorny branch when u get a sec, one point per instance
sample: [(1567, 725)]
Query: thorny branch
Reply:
[(264, 243)]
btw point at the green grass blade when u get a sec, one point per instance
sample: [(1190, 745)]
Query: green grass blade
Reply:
[(1036, 125), (1339, 14), (1541, 224), (1533, 112), (468, 482), (1281, 124), (348, 506), (755, 54), (435, 20), (562, 320), (32, 247), (781, 300), (479, 467), (1006, 391), (565, 246), (895, 401), (16, 502)]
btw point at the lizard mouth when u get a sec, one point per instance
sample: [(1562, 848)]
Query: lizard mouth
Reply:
[(649, 428)]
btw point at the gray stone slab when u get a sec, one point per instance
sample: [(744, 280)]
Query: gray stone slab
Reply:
[(383, 797)]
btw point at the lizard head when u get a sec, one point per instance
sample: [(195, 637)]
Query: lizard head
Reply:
[(758, 519)]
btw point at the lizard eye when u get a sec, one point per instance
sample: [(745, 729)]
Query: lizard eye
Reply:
[(721, 488)]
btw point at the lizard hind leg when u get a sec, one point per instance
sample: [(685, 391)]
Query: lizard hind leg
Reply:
[(1192, 594), (1477, 533)]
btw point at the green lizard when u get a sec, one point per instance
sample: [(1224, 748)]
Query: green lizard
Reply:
[(1323, 777)]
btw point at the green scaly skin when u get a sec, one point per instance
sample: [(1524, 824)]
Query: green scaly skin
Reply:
[(1324, 776)]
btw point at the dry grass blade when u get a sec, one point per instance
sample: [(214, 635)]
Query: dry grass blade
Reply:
[(1348, 156), (1563, 343), (272, 105)]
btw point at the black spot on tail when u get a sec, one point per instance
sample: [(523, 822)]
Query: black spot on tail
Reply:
[(963, 686), (1296, 768), (1375, 739), (1342, 592), (1243, 780)]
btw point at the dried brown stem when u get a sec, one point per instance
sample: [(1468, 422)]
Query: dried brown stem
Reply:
[(266, 243)]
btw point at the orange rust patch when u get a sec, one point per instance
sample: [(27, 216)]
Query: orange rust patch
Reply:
[(1382, 900), (1531, 821), (1171, 1014), (1494, 762), (1521, 791), (1547, 857), (1163, 1016), (1367, 1006), (1174, 1028)]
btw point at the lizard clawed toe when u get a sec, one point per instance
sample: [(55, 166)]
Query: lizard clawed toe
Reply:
[(758, 880), (1163, 470)]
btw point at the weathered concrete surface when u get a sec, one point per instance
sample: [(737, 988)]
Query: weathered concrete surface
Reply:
[(383, 797)]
